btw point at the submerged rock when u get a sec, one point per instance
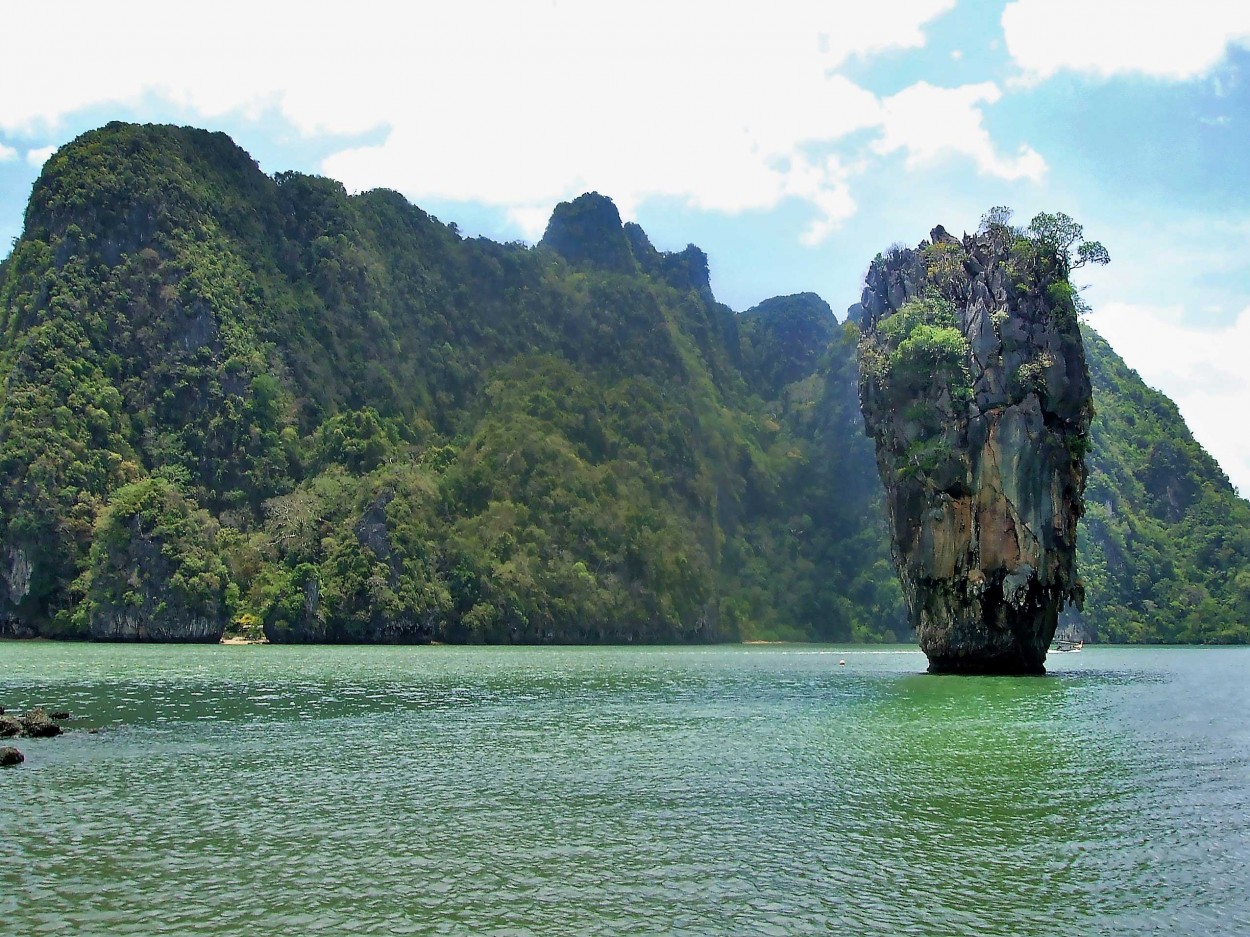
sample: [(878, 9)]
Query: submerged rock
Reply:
[(974, 388)]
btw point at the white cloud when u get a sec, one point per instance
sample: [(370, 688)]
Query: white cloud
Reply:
[(532, 220), (930, 123), (39, 156), (516, 103), (1194, 261), (1202, 369), (7, 153), (1157, 38), (824, 186), (690, 123)]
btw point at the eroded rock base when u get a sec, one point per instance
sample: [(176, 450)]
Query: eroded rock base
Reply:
[(1007, 664)]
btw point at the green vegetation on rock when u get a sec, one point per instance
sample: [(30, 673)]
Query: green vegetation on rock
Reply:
[(153, 570), (232, 401)]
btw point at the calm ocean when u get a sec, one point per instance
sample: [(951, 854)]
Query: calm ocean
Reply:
[(564, 791)]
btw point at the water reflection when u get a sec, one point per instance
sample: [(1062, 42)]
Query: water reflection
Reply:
[(1022, 806)]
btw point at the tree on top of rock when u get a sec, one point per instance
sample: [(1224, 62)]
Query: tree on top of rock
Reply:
[(1057, 230), (1063, 233)]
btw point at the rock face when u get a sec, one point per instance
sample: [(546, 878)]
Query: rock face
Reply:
[(15, 574), (974, 388)]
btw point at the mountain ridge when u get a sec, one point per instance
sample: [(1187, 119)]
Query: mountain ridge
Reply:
[(338, 419)]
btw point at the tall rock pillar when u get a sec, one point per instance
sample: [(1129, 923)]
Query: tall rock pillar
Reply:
[(974, 388)]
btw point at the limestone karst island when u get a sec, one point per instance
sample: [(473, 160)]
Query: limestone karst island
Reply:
[(976, 393), (248, 405)]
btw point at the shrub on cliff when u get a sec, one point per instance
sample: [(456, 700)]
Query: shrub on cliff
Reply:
[(917, 347)]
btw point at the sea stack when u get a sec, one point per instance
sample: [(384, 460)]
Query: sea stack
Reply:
[(974, 388)]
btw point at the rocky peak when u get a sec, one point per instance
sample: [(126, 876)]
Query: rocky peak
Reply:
[(588, 231), (791, 333), (974, 388), (682, 270)]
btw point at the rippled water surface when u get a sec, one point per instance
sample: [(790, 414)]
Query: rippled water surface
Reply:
[(730, 790)]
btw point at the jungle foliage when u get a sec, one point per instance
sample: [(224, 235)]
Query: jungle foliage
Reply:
[(335, 418), (1165, 541), (400, 434)]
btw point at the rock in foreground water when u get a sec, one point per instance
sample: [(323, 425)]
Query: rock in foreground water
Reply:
[(974, 388), (37, 724)]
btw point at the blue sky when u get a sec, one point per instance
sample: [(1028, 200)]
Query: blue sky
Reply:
[(790, 140)]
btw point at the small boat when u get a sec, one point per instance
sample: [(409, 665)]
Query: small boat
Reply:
[(1067, 642)]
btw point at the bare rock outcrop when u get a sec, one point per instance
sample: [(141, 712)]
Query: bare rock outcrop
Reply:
[(974, 388)]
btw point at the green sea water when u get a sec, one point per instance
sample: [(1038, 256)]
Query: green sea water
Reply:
[(539, 791)]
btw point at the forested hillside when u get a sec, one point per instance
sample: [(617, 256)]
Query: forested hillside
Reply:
[(1165, 541), (236, 402)]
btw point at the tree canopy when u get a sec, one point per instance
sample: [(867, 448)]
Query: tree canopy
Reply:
[(1067, 236)]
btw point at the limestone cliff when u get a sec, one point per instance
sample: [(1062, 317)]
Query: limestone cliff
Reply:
[(378, 607), (154, 573), (974, 388)]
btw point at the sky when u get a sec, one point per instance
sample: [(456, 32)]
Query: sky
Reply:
[(791, 140)]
